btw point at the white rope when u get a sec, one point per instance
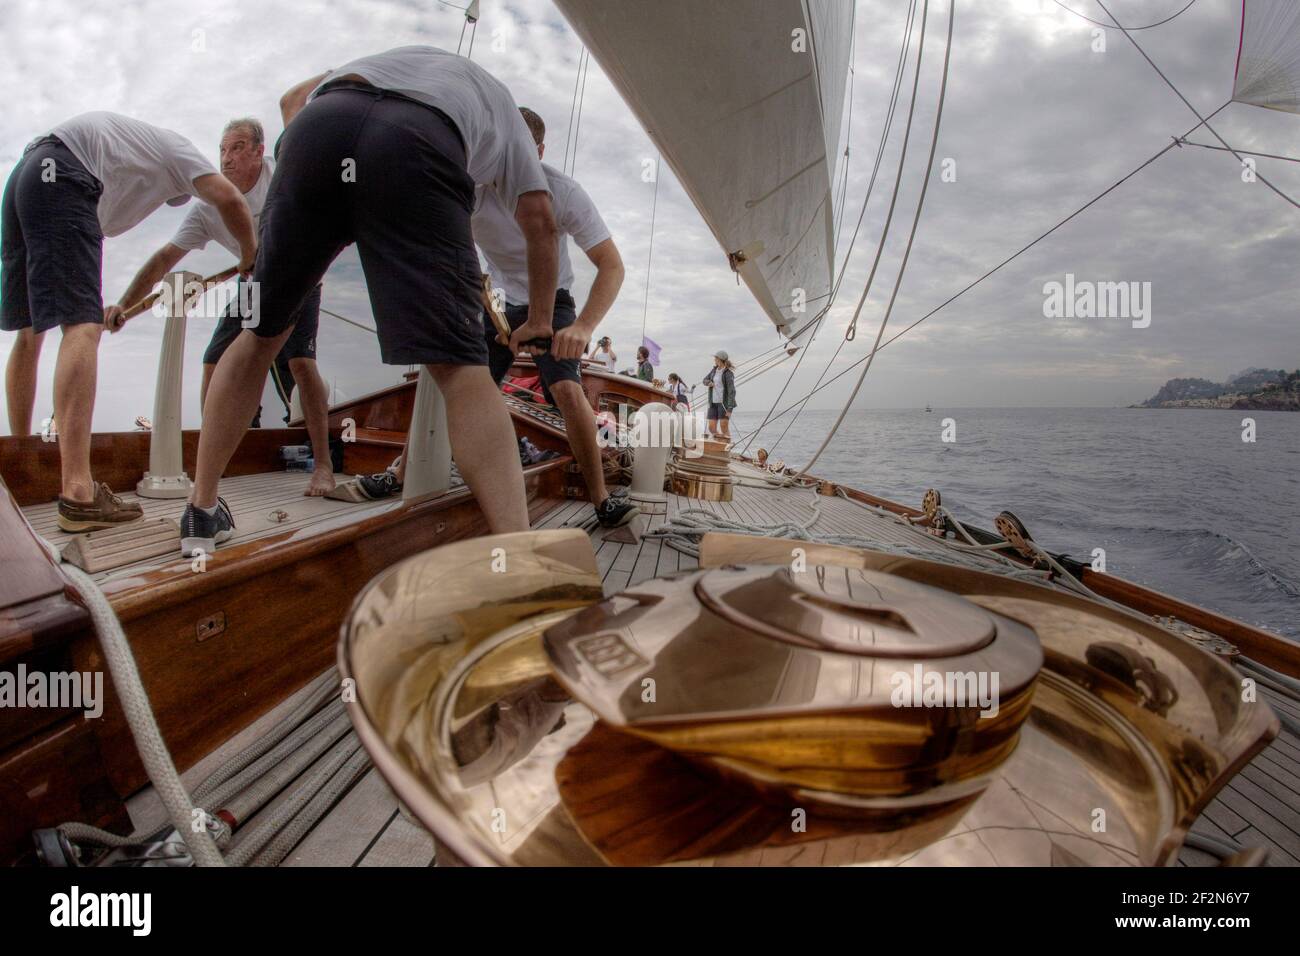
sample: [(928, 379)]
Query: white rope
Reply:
[(139, 716)]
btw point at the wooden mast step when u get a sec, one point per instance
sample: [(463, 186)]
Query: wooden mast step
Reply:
[(111, 548)]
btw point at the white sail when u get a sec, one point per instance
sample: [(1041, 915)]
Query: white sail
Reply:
[(1268, 58), (744, 101)]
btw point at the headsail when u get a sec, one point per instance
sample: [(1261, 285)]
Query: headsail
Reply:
[(744, 101), (1268, 60)]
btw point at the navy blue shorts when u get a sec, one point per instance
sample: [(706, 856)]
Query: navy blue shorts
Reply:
[(717, 410), (379, 169), (550, 369), (300, 344), (51, 247)]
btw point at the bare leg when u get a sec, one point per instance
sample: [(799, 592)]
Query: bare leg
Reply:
[(483, 444), (74, 405), (580, 427), (235, 391), (203, 386), (314, 397), (724, 428), (20, 380), (401, 462)]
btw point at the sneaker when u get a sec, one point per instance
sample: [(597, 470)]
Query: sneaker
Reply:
[(382, 484), (105, 510), (530, 454), (614, 513), (203, 531)]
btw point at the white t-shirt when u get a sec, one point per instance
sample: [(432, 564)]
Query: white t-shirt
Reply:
[(604, 358), (141, 166), (499, 238), (203, 224), (499, 149)]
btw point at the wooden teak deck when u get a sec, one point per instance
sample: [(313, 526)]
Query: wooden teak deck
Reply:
[(1260, 807)]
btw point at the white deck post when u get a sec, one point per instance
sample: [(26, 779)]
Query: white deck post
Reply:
[(166, 476), (428, 450), (656, 428)]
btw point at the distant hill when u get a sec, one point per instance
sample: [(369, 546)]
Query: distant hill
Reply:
[(1255, 388)]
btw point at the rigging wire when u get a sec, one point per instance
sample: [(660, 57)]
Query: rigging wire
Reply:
[(582, 98), (908, 22), (654, 207), (1015, 255), (848, 126), (1204, 121), (1148, 26), (1244, 152), (880, 151), (573, 106), (469, 54), (768, 366), (350, 321), (916, 219)]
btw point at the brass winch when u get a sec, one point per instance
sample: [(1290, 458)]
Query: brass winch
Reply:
[(787, 701), (848, 682)]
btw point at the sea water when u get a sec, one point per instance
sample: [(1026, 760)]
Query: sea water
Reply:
[(1174, 497)]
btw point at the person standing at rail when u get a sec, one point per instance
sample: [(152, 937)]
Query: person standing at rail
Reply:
[(244, 163), (387, 153), (98, 174)]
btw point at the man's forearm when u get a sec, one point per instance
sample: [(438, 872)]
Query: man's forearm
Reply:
[(543, 266), (239, 221), (604, 290), (295, 98), (150, 275)]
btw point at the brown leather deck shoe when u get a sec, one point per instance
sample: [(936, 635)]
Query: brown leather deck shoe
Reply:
[(106, 511)]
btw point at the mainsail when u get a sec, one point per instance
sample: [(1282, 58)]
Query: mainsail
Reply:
[(1268, 58), (744, 101)]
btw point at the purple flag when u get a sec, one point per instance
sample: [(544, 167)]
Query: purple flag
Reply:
[(653, 348)]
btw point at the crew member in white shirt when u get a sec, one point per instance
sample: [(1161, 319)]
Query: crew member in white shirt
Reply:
[(386, 154), (95, 175), (499, 239), (244, 163)]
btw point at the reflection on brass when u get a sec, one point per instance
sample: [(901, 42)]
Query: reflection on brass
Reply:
[(705, 475), (659, 807), (1137, 671), (459, 708), (703, 487), (821, 679)]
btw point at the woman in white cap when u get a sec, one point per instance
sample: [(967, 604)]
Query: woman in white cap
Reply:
[(722, 395)]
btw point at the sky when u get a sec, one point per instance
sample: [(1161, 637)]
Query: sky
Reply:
[(1037, 121)]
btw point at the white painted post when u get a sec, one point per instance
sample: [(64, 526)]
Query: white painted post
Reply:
[(428, 450), (166, 476), (655, 429)]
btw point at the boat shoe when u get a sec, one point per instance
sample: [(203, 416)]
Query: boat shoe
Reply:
[(105, 510)]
